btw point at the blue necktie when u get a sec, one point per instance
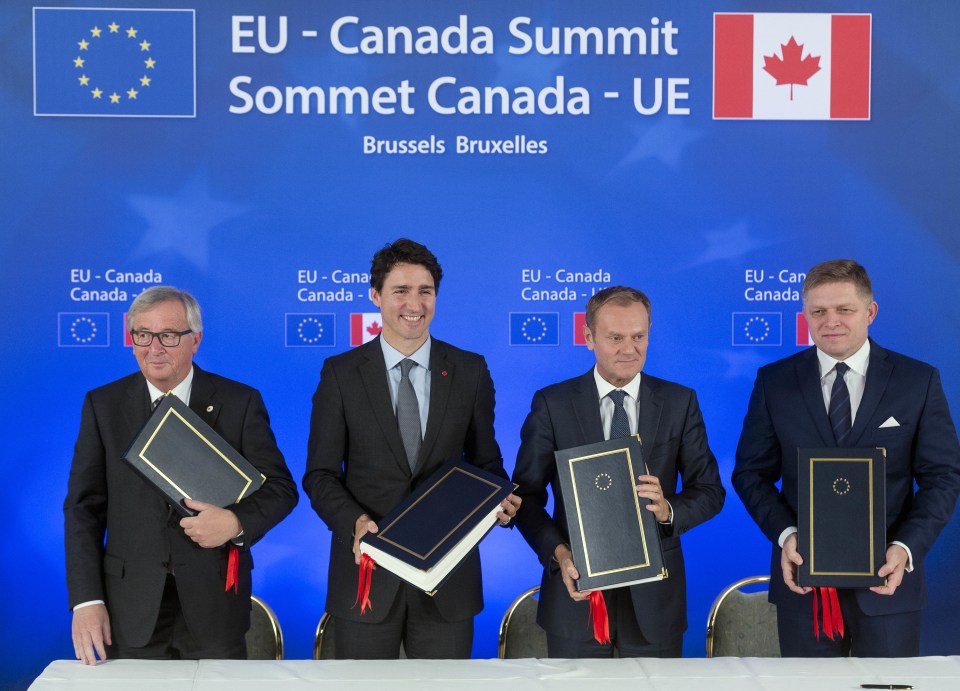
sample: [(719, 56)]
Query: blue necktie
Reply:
[(620, 425), (840, 414), (408, 413)]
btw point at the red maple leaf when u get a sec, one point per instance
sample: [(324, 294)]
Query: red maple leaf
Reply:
[(791, 69), (374, 328)]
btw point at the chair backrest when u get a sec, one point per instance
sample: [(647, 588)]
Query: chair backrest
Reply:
[(264, 638), (743, 624), (323, 638), (520, 634)]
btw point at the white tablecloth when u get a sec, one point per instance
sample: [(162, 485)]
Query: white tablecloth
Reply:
[(692, 674)]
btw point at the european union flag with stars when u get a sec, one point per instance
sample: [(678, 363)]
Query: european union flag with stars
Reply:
[(534, 328), (310, 330), (114, 62)]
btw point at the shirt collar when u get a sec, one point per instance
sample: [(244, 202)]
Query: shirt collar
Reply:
[(392, 356), (181, 390), (604, 387), (858, 361)]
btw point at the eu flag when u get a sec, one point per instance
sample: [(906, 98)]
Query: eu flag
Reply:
[(757, 328), (535, 328), (83, 329), (311, 330), (114, 62)]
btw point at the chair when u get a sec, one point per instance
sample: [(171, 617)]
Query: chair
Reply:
[(264, 638), (520, 634), (743, 624), (324, 637)]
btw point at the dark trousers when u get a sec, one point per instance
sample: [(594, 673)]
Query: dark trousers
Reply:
[(887, 635), (626, 638), (171, 640), (414, 622)]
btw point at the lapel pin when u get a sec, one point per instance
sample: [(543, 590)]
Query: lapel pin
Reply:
[(209, 408)]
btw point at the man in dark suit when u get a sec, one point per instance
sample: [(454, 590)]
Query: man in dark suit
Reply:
[(385, 416), (647, 619), (157, 588), (850, 392)]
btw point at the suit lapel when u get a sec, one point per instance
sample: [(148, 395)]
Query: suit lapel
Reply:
[(203, 397), (373, 374), (586, 408), (442, 376), (649, 408), (808, 380), (878, 375), (137, 410)]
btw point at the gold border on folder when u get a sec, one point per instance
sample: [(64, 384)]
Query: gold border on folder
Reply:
[(383, 533), (813, 569), (163, 421), (636, 503)]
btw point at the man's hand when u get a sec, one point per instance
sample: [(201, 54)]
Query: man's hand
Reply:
[(892, 570), (91, 633), (649, 488), (363, 526), (790, 559), (211, 527), (569, 572), (510, 506)]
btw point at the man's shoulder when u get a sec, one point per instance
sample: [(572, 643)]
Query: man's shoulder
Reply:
[(665, 387), (222, 385), (121, 386), (444, 349), (567, 387), (901, 361)]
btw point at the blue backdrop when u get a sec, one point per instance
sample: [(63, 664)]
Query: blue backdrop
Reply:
[(203, 179)]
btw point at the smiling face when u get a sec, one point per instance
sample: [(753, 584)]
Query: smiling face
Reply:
[(165, 367), (619, 340), (407, 303), (838, 317)]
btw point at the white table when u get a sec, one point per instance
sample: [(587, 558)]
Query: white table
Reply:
[(691, 674)]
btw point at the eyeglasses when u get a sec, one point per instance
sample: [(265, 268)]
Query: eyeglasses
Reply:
[(168, 339)]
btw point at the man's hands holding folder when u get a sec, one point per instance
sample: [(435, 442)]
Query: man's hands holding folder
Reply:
[(212, 526), (569, 572)]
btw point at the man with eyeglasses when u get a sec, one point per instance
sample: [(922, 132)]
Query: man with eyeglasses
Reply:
[(155, 587)]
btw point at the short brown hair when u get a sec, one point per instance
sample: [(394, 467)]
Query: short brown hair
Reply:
[(403, 251), (618, 295), (839, 271)]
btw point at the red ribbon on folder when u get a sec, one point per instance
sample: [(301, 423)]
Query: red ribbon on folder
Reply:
[(832, 616), (364, 580), (599, 618), (233, 569)]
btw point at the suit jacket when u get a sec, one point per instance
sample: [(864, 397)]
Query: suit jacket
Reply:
[(787, 412), (106, 497), (356, 463), (674, 442)]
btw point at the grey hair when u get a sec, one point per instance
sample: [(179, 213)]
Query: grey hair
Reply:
[(154, 295)]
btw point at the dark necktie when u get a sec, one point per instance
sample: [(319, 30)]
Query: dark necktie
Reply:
[(153, 406), (620, 425), (408, 413), (840, 414)]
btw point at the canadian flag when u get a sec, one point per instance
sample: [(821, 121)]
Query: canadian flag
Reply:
[(364, 326), (803, 330), (785, 66)]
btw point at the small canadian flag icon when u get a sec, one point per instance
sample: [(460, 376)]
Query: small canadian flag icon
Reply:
[(364, 326)]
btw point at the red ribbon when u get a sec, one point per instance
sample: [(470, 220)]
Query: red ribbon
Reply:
[(599, 618), (832, 616), (233, 569), (365, 578)]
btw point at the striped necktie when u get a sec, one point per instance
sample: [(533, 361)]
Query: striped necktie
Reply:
[(840, 415), (620, 425)]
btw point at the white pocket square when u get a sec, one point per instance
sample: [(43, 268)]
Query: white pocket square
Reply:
[(890, 422)]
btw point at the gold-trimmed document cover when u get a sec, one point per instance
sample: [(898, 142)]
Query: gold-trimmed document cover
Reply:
[(615, 540), (425, 537), (181, 456), (841, 517)]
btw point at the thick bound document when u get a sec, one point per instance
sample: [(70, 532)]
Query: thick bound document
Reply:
[(181, 456), (841, 517), (425, 537), (614, 539)]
